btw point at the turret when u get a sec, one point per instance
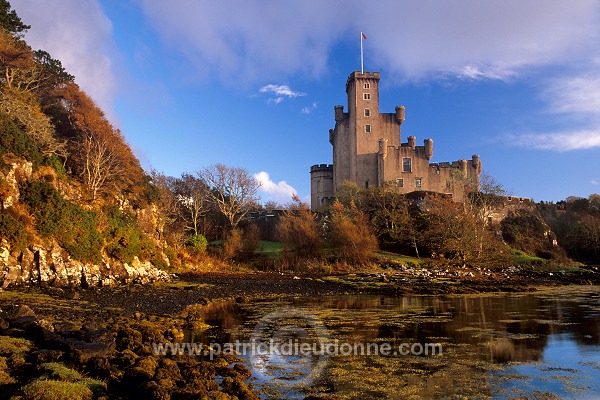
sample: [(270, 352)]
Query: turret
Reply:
[(412, 141), (400, 114), (339, 114), (462, 164), (428, 148), (383, 148), (476, 161)]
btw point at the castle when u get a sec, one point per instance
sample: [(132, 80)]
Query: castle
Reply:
[(368, 151)]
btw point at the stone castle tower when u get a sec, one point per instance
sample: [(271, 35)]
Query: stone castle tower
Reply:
[(367, 150)]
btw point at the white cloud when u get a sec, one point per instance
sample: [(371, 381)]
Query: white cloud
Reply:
[(309, 109), (595, 182), (280, 92), (576, 94), (576, 98), (246, 41), (281, 192), (78, 33), (408, 38), (479, 72), (559, 141)]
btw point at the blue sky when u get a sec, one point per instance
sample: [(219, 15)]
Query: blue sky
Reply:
[(253, 83)]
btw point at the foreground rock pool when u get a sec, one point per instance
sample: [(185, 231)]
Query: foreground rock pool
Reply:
[(540, 345)]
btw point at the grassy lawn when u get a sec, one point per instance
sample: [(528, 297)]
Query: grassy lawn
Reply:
[(386, 255), (520, 257), (272, 249)]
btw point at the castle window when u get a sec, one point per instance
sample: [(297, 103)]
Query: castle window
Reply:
[(367, 128), (418, 182), (406, 165), (400, 182), (367, 86), (367, 112), (366, 96), (367, 184), (448, 184)]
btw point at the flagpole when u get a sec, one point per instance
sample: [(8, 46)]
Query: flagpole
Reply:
[(362, 64)]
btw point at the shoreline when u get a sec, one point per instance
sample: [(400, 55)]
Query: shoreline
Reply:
[(171, 298), (106, 333)]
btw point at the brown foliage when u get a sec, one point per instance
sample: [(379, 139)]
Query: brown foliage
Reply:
[(351, 234), (390, 213), (232, 244), (454, 232), (251, 240), (101, 157), (299, 232), (16, 61), (22, 107)]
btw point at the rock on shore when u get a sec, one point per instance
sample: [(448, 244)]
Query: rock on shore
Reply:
[(52, 266)]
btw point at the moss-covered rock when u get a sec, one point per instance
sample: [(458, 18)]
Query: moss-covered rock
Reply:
[(59, 372), (41, 389), (238, 389), (167, 373), (128, 339), (143, 371), (5, 375), (14, 349)]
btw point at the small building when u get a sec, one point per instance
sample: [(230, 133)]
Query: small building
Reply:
[(368, 150)]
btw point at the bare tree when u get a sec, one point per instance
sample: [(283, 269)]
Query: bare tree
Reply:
[(191, 195), (99, 153), (23, 108), (489, 198), (100, 164), (167, 202), (26, 70), (231, 190), (390, 214)]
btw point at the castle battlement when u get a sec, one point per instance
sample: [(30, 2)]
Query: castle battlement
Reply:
[(321, 167), (367, 150)]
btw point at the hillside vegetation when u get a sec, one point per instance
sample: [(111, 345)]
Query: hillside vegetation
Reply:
[(73, 194), (68, 179)]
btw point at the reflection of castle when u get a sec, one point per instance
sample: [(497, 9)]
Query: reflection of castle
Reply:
[(367, 150)]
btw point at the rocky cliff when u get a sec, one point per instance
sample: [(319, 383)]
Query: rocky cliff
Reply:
[(44, 262)]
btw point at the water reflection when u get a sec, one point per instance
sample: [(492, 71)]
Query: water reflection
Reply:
[(479, 334), (567, 370)]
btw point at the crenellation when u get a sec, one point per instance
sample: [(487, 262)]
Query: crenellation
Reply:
[(339, 114), (367, 150)]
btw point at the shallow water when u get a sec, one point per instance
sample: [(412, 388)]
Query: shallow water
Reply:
[(540, 345)]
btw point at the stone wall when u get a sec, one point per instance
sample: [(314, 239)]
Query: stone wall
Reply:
[(368, 149)]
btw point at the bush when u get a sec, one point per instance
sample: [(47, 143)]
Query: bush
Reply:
[(75, 229), (15, 140), (299, 232), (350, 233), (13, 231), (251, 240), (125, 239), (232, 245), (56, 163), (198, 243)]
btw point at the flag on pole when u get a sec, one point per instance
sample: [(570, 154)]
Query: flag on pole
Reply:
[(362, 63)]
